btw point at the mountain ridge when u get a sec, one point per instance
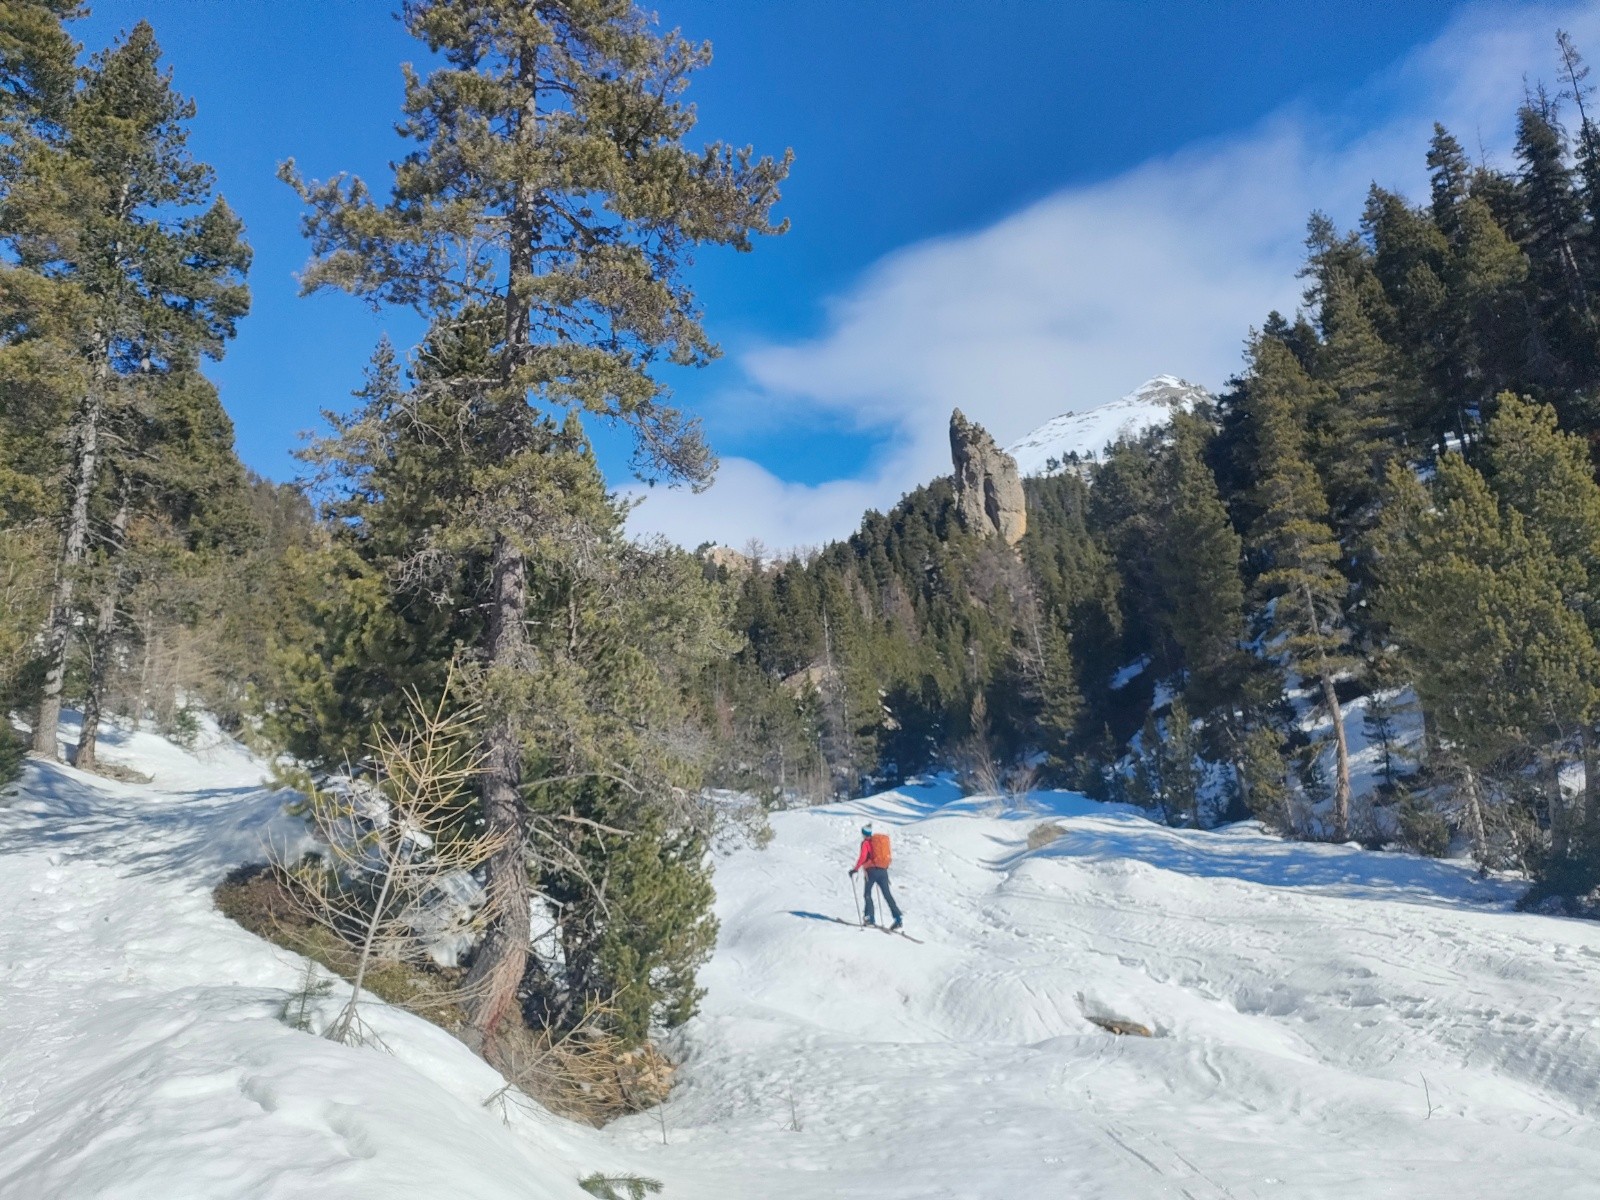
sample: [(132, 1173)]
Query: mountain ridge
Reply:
[(1086, 434)]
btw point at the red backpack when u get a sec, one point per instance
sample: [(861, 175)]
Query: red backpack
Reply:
[(880, 850)]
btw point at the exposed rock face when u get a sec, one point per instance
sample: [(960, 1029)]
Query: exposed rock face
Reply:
[(816, 676), (728, 559), (988, 488)]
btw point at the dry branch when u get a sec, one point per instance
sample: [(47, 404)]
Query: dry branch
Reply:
[(396, 875)]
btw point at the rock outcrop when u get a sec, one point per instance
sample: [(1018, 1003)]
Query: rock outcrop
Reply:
[(727, 559), (989, 496)]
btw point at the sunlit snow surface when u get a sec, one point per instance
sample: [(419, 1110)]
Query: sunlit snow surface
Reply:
[(1300, 993), (1088, 433)]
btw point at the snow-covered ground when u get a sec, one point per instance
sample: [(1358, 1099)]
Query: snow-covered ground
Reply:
[(141, 1052), (1330, 1023), (1088, 433)]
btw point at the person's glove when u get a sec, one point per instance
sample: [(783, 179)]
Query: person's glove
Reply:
[(852, 872)]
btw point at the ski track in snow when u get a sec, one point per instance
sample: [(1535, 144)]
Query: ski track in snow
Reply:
[(1300, 994)]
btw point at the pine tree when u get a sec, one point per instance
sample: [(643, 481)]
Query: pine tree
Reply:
[(1165, 777), (1072, 574), (1575, 74), (128, 272), (1556, 244), (1545, 476), (1408, 258), (1494, 323), (1499, 661), (1377, 722), (1197, 570), (1354, 428), (38, 68), (541, 223), (1450, 178), (1125, 508), (1295, 548), (173, 483), (1262, 776), (1060, 701)]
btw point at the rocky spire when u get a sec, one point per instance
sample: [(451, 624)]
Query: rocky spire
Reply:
[(989, 496)]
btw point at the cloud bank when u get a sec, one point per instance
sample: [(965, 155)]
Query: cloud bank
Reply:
[(1075, 300)]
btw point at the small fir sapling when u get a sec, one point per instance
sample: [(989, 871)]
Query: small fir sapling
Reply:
[(391, 851)]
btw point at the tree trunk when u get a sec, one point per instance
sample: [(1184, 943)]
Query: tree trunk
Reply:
[(104, 639), (146, 629), (1590, 816), (1242, 778), (58, 633), (498, 967), (1561, 816), (1480, 840), (1430, 739), (1341, 784)]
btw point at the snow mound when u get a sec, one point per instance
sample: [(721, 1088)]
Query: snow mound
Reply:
[(1088, 433), (211, 760)]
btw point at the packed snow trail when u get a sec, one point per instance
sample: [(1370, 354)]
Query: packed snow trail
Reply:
[(1329, 1022), (141, 1052), (1300, 995)]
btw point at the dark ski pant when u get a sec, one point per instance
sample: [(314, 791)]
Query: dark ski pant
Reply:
[(879, 877)]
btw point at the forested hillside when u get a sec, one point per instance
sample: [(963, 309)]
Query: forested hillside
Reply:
[(141, 566), (1390, 517)]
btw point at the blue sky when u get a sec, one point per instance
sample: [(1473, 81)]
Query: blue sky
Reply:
[(1024, 208)]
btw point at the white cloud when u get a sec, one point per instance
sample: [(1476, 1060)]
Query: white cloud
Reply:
[(1077, 299), (748, 501)]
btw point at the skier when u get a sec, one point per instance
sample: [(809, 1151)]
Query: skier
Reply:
[(874, 858)]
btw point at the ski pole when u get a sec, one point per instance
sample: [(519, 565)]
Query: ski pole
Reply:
[(855, 897)]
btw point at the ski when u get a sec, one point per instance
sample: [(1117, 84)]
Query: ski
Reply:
[(895, 932), (862, 925)]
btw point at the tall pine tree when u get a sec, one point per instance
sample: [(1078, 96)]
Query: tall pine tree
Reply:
[(1294, 547), (543, 217), (1197, 568), (126, 271)]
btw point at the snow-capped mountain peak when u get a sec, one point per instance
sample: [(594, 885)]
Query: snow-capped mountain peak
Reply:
[(1088, 433)]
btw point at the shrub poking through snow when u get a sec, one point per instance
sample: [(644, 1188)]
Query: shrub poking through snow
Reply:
[(619, 1187), (588, 1073), (1422, 828), (299, 1007), (399, 852)]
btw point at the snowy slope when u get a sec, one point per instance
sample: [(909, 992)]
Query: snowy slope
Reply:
[(1301, 995), (141, 1054), (1089, 433)]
